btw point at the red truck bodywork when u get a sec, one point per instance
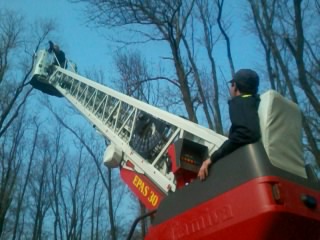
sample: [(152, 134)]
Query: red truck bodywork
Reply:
[(245, 197)]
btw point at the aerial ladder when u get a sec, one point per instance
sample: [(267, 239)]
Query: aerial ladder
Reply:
[(159, 155), (139, 134)]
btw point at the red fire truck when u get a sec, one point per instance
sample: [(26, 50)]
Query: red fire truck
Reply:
[(260, 191)]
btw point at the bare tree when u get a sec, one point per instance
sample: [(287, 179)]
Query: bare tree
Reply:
[(78, 183), (207, 21), (11, 31), (14, 92), (57, 173), (106, 175), (135, 78), (25, 181), (163, 20), (40, 191), (10, 168), (284, 35)]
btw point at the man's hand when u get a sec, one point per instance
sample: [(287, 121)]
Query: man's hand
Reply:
[(203, 172)]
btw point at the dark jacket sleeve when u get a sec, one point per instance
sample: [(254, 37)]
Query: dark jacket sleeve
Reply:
[(245, 127), (226, 148)]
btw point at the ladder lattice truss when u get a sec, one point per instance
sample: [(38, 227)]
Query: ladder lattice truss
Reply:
[(142, 132)]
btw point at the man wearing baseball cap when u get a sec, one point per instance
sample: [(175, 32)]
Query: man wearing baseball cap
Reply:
[(243, 111)]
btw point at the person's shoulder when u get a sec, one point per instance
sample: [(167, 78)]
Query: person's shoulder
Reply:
[(245, 100), (248, 97), (235, 102), (236, 99)]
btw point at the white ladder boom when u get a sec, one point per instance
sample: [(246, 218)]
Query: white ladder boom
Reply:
[(138, 132)]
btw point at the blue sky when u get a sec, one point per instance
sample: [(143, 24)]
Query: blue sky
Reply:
[(90, 50), (82, 45)]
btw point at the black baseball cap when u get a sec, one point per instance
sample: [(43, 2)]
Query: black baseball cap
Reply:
[(247, 81)]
